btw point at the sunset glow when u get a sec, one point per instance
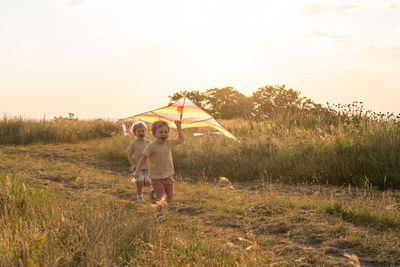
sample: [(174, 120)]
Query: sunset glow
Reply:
[(113, 59)]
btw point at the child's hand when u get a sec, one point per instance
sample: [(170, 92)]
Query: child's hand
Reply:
[(178, 124), (180, 138)]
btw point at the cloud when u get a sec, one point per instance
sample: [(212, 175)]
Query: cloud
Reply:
[(317, 33), (314, 8), (341, 38), (395, 49), (74, 2), (340, 69), (344, 8), (323, 8), (322, 34), (393, 6)]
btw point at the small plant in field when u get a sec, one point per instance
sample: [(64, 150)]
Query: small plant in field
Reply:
[(35, 250), (79, 181)]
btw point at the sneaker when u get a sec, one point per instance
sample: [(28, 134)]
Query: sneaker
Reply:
[(160, 218), (140, 199)]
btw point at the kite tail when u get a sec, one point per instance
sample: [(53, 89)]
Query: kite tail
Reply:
[(126, 133), (127, 130), (201, 134), (124, 128)]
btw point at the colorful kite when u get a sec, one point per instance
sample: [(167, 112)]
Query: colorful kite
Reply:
[(184, 110)]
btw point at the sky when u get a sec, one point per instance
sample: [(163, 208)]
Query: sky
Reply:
[(113, 59)]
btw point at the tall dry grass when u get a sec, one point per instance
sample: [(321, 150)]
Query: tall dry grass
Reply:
[(349, 153), (46, 227), (339, 145), (16, 131), (348, 146)]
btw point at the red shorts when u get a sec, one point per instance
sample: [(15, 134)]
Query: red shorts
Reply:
[(163, 187)]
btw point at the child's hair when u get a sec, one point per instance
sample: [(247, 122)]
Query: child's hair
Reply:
[(158, 124), (138, 124)]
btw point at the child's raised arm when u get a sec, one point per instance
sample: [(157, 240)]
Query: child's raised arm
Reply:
[(181, 137)]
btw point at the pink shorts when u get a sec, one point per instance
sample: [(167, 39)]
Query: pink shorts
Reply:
[(163, 187)]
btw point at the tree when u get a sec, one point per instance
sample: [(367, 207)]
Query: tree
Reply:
[(197, 97), (271, 101), (228, 103)]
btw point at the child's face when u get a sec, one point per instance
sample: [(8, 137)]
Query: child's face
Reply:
[(140, 132), (162, 134)]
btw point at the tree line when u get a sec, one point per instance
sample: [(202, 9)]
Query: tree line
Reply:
[(267, 102)]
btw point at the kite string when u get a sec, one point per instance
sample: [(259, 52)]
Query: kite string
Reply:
[(183, 106)]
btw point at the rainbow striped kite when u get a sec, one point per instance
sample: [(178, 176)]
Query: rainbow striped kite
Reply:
[(184, 110)]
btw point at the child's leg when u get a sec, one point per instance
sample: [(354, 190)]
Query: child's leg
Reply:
[(140, 182), (169, 190), (159, 192), (139, 187)]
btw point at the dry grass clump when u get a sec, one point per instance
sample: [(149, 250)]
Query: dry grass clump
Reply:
[(16, 131)]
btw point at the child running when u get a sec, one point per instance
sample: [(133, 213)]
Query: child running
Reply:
[(161, 167), (135, 153)]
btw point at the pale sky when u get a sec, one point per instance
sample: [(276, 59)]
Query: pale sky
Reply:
[(113, 59)]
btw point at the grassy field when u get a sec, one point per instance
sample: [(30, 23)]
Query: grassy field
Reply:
[(306, 190), (348, 146), (73, 205), (352, 152), (18, 131)]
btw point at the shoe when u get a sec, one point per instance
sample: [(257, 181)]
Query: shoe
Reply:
[(140, 199), (160, 218), (152, 196)]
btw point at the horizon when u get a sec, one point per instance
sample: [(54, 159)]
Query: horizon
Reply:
[(101, 59), (46, 117)]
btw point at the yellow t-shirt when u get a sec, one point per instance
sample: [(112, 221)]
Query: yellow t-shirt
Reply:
[(159, 158), (136, 148)]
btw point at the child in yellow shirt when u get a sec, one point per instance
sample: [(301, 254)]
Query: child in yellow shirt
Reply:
[(135, 150), (159, 157)]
